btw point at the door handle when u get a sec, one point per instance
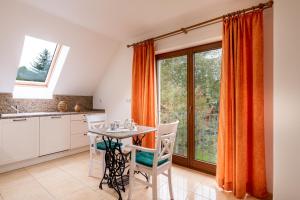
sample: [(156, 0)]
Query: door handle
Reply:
[(55, 117), (19, 120)]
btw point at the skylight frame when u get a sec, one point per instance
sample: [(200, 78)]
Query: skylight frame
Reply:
[(49, 74)]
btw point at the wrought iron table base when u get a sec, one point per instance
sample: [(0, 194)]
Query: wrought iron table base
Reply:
[(114, 166)]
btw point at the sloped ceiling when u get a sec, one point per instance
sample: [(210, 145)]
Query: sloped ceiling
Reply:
[(89, 54)]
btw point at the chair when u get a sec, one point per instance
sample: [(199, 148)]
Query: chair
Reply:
[(97, 146), (154, 161)]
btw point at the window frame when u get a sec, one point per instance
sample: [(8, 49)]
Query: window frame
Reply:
[(189, 52), (49, 74)]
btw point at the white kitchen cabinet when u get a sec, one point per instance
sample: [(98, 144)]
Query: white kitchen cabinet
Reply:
[(54, 134), (78, 117), (79, 130), (79, 126), (19, 139)]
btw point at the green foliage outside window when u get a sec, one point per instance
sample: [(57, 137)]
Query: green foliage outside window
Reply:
[(173, 98), (207, 90), (38, 70), (173, 101)]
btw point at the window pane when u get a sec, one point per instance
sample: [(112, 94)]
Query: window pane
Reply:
[(173, 97), (207, 90), (35, 60)]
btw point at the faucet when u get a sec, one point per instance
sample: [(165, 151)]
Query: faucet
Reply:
[(16, 109)]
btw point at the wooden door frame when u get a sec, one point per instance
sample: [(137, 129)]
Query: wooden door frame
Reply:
[(189, 161)]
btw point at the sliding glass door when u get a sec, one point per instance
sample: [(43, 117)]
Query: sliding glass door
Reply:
[(173, 97), (189, 88)]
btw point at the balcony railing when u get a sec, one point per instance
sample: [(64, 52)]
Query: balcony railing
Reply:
[(206, 137)]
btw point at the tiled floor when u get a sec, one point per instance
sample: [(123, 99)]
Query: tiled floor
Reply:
[(66, 179)]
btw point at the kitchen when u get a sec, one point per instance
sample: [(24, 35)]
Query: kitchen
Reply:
[(107, 99)]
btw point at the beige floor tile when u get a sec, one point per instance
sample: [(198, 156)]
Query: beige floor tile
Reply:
[(76, 169), (64, 161), (141, 192), (29, 190), (91, 182), (206, 191), (16, 177), (43, 170), (81, 157), (61, 184), (88, 194), (109, 194), (194, 196)]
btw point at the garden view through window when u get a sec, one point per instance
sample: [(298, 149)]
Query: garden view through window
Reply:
[(207, 90), (189, 88), (36, 60), (173, 97)]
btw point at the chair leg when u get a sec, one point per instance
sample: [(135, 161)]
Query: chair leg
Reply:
[(103, 163), (91, 165), (154, 187), (148, 180), (170, 183), (131, 183)]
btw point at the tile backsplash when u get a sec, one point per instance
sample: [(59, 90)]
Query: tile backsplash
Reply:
[(43, 105)]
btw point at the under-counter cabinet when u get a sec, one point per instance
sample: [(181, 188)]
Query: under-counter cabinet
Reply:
[(19, 139), (54, 134), (79, 130)]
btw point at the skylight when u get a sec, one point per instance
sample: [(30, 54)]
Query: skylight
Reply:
[(40, 65), (37, 61)]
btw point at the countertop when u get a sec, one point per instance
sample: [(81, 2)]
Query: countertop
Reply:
[(42, 114)]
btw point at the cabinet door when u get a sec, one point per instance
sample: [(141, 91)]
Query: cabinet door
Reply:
[(79, 127), (54, 134), (79, 130), (20, 139), (79, 140)]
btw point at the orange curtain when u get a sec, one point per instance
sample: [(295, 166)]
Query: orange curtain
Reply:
[(143, 88), (241, 148)]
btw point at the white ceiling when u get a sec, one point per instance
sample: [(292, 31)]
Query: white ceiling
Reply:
[(127, 19)]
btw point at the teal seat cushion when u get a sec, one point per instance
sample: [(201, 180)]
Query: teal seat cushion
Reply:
[(146, 158), (101, 145)]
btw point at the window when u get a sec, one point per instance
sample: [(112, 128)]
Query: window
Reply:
[(37, 61), (189, 88), (39, 68), (173, 97)]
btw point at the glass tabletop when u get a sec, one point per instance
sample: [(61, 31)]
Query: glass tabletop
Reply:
[(123, 134)]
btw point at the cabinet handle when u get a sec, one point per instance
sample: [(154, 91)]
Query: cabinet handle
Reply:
[(19, 120), (85, 134), (84, 121), (55, 117)]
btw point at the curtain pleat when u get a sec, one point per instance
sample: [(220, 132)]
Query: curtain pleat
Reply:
[(241, 148)]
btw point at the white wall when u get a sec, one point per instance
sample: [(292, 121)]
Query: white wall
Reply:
[(89, 52), (114, 88), (286, 99)]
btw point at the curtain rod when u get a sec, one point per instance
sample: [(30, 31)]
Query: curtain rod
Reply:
[(185, 30)]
